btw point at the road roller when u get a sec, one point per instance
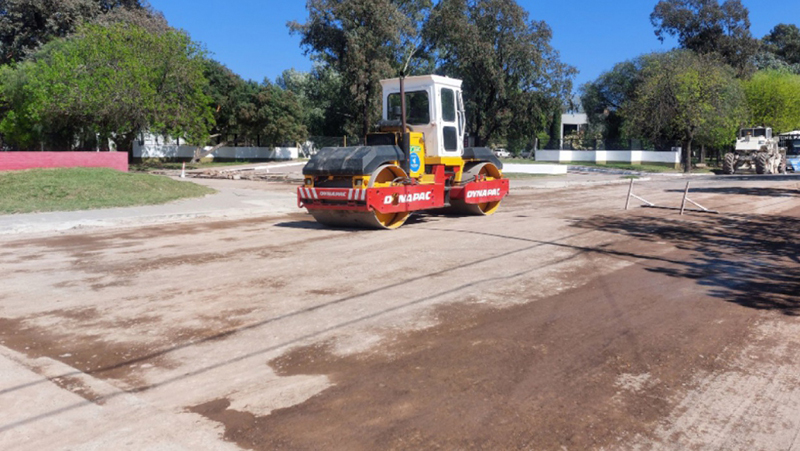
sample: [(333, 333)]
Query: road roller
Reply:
[(416, 161)]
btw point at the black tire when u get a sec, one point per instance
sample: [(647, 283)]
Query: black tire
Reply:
[(761, 163), (729, 163)]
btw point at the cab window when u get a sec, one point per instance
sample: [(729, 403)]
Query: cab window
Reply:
[(448, 105), (417, 108)]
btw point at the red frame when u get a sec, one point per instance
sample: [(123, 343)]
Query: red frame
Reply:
[(402, 197), (481, 192)]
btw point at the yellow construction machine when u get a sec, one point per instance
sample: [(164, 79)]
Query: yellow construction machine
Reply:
[(417, 161)]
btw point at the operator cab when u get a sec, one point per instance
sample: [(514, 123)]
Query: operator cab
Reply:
[(434, 106), (752, 139), (758, 132)]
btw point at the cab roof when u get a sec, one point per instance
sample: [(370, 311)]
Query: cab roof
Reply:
[(420, 81)]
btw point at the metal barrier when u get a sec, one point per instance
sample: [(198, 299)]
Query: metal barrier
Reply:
[(682, 208)]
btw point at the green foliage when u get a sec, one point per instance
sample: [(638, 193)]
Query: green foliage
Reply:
[(784, 42), (555, 129), (83, 188), (253, 111), (113, 81), (767, 60), (271, 113), (780, 50), (513, 78), (319, 93), (706, 26), (26, 25), (364, 41), (603, 98), (225, 90), (685, 97), (774, 100)]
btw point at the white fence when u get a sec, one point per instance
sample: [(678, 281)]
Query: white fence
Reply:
[(159, 147), (543, 169), (672, 158)]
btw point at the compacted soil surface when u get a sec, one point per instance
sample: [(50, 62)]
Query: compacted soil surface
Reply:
[(561, 322)]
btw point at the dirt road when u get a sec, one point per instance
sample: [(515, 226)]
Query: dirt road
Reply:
[(561, 322)]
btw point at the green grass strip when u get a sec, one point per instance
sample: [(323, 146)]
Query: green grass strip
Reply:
[(40, 190)]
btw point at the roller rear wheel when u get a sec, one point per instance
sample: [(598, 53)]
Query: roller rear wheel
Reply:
[(486, 171), (384, 176)]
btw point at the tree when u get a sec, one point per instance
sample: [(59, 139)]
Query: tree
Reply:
[(271, 114), (513, 78), (774, 100), (685, 97), (226, 91), (706, 26), (113, 81), (784, 42), (766, 60), (320, 95), (363, 41), (259, 113), (603, 98), (137, 13), (26, 25)]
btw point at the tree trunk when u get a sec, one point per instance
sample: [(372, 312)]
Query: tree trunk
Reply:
[(200, 154), (367, 99), (687, 157), (124, 143), (103, 142), (478, 138)]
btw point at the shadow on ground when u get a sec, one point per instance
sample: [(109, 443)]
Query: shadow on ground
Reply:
[(751, 260)]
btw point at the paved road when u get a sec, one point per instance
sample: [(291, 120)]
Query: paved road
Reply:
[(561, 322)]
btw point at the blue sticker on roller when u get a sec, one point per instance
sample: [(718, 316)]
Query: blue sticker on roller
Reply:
[(415, 162)]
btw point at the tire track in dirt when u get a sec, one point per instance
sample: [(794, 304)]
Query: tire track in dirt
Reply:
[(602, 365)]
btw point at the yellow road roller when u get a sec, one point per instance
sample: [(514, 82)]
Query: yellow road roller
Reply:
[(417, 161)]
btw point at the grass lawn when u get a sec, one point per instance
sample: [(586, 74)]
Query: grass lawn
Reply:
[(87, 188)]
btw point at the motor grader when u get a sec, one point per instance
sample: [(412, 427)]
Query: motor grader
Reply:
[(757, 149), (416, 161)]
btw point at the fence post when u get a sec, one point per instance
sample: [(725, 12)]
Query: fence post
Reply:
[(685, 196), (630, 191)]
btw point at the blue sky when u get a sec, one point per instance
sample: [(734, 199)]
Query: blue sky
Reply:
[(251, 37)]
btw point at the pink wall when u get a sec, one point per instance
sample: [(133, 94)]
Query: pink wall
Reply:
[(10, 161)]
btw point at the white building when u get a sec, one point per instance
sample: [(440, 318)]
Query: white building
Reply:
[(573, 123)]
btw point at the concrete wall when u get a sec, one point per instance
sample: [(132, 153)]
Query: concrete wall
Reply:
[(10, 161), (672, 158), (158, 147)]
